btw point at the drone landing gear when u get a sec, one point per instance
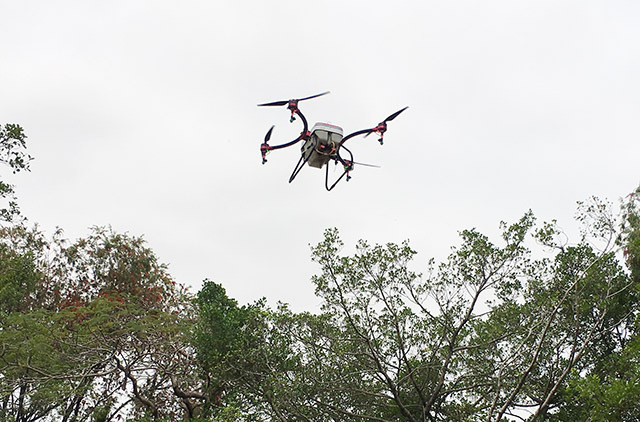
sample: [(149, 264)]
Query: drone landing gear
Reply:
[(311, 151), (326, 179), (348, 166), (301, 162)]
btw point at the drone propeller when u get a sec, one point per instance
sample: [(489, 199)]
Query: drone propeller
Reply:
[(268, 135), (382, 127), (292, 104), (350, 164), (265, 148), (366, 165), (295, 101), (275, 103), (394, 115)]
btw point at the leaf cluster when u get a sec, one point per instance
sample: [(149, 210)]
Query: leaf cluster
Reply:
[(13, 156)]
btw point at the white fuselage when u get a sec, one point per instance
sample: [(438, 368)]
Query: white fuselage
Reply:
[(322, 144)]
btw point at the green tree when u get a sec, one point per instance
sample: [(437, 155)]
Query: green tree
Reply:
[(492, 333), (12, 155), (92, 327), (608, 388), (234, 344)]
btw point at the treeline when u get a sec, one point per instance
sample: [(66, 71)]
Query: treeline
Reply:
[(96, 329)]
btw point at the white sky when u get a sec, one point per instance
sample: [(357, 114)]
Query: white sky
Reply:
[(142, 115)]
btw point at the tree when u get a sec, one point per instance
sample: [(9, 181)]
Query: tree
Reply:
[(12, 155), (234, 344), (609, 388), (492, 333), (92, 329), (96, 327)]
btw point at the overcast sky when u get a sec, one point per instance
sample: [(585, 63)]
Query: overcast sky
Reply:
[(142, 115)]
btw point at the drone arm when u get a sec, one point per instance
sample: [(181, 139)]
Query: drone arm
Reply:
[(360, 132), (342, 161), (265, 148), (303, 134), (381, 128)]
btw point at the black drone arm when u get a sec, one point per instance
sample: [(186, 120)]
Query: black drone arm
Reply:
[(303, 134), (265, 148), (347, 163), (381, 128), (354, 134)]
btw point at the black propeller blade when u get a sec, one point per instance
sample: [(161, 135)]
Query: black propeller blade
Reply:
[(268, 135), (314, 96), (275, 103), (394, 115), (285, 102)]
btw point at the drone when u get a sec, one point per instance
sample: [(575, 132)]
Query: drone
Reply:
[(323, 143)]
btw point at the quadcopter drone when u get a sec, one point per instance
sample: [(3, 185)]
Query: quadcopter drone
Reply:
[(323, 143)]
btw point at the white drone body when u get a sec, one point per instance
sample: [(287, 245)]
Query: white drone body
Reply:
[(322, 144)]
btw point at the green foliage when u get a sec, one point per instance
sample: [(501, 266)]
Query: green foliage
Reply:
[(610, 391), (96, 329), (18, 278), (92, 328), (220, 322), (233, 346), (490, 333), (630, 236), (12, 155), (609, 387)]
